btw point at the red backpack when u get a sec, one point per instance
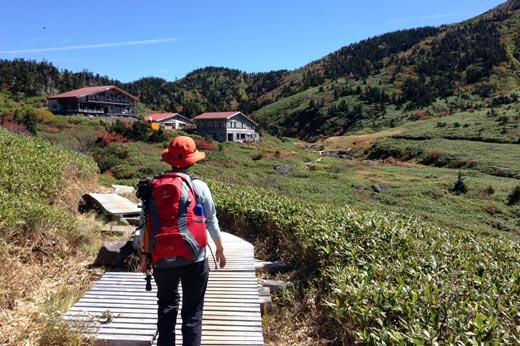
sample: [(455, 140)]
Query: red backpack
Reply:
[(175, 222)]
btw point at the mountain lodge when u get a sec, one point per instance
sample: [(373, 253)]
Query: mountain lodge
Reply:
[(226, 126), (95, 100), (170, 121)]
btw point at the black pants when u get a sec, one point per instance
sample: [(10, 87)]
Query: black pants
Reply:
[(194, 280)]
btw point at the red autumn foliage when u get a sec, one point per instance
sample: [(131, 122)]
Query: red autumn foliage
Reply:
[(421, 115), (204, 145), (111, 137), (10, 124), (434, 154)]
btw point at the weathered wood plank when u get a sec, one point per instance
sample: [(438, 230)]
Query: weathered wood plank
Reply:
[(152, 300), (219, 315), (231, 309), (113, 203)]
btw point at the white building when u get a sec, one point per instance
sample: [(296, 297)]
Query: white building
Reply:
[(226, 126)]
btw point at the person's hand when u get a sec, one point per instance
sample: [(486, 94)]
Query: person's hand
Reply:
[(221, 259)]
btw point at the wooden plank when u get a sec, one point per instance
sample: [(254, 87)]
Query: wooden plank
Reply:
[(115, 204), (131, 307), (219, 315), (231, 310), (209, 297), (116, 311)]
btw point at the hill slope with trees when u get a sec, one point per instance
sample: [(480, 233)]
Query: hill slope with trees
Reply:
[(375, 83)]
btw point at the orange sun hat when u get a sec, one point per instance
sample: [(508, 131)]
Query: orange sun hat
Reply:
[(182, 152)]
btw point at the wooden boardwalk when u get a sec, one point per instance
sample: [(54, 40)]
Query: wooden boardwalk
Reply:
[(113, 204), (231, 309)]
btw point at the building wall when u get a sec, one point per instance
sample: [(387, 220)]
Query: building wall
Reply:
[(236, 129), (106, 103), (54, 106), (175, 124), (215, 129)]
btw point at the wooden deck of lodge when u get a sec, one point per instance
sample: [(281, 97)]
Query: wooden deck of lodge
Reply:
[(231, 310)]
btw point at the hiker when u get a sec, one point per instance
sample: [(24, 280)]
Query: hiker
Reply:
[(192, 272)]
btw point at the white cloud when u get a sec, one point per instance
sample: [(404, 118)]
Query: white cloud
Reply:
[(90, 46)]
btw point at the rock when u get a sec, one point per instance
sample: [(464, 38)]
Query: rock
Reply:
[(272, 267), (115, 254), (123, 189), (120, 230), (283, 169), (274, 285), (377, 188)]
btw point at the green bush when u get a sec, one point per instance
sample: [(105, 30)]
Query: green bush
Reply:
[(460, 185), (107, 162), (33, 174), (514, 196), (110, 156), (385, 279), (125, 171)]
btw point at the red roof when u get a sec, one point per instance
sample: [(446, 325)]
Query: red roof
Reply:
[(89, 91), (220, 115), (162, 116), (158, 116), (215, 115)]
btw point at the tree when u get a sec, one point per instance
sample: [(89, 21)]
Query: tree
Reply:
[(459, 186), (514, 196), (30, 122), (139, 131)]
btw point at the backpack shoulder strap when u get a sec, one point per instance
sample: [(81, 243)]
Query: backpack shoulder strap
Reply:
[(189, 181)]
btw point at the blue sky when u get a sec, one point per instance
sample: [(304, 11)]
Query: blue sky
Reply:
[(130, 39)]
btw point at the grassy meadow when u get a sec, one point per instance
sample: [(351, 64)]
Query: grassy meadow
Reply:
[(385, 250)]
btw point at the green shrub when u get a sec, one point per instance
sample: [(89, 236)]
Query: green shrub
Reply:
[(459, 186), (107, 162), (256, 156), (514, 196), (33, 175), (125, 171), (384, 279)]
